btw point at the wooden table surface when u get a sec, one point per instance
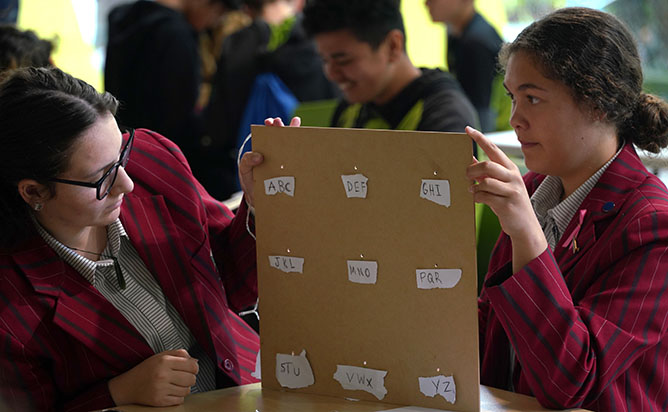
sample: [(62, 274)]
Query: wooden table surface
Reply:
[(252, 398)]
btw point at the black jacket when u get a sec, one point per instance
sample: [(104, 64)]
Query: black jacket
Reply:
[(472, 58), (153, 68), (432, 102)]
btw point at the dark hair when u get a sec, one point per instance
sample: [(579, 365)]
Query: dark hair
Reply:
[(256, 5), (595, 56), (369, 20), (229, 4), (20, 48), (43, 111)]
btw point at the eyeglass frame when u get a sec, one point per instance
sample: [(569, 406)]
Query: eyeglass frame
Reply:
[(122, 161)]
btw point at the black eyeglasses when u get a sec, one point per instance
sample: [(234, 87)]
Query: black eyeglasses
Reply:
[(106, 182)]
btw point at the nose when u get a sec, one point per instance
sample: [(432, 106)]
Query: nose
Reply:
[(517, 119), (123, 183), (332, 72)]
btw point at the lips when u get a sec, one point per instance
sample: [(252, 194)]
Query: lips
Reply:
[(116, 205), (526, 144)]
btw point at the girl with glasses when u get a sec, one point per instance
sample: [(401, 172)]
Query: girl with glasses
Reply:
[(121, 277)]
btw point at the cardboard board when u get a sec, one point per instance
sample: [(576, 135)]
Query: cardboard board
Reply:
[(391, 325)]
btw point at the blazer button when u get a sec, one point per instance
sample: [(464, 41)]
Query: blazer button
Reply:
[(228, 364), (608, 206)]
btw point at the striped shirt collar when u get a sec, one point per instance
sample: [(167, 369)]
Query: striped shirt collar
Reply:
[(86, 267), (554, 213)]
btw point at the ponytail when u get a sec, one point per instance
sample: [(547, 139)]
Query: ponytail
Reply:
[(647, 127)]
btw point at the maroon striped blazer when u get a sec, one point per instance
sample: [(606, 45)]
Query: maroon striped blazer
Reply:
[(587, 321), (61, 340)]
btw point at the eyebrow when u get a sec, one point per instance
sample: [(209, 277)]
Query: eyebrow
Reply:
[(526, 86), (339, 55), (102, 169)]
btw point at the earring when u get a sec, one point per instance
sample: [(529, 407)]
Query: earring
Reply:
[(37, 207)]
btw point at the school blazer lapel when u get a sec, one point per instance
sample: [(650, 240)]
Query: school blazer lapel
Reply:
[(159, 243), (80, 310), (599, 209)]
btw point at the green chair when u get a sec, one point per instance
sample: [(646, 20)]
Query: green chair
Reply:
[(487, 232), (316, 113)]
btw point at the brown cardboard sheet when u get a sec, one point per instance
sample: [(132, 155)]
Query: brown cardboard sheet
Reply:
[(390, 325)]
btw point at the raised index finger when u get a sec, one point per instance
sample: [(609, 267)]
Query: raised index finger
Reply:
[(491, 150)]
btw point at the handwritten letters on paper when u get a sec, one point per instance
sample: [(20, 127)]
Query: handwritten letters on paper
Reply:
[(294, 371), (437, 191), (361, 271), (437, 278), (283, 184), (355, 185), (362, 379), (439, 385), (287, 264)]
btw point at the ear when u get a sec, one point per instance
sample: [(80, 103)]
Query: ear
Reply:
[(33, 192), (395, 41)]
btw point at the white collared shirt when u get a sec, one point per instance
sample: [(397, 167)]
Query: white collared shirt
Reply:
[(555, 214), (142, 302)]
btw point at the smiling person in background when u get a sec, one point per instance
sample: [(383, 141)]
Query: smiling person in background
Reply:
[(363, 47), (120, 275), (573, 309)]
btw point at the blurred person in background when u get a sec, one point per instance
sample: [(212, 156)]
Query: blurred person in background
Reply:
[(9, 10), (275, 42), (153, 66), (473, 46), (363, 47), (22, 48)]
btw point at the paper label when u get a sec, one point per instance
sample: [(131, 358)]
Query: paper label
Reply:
[(438, 278), (362, 271), (257, 374), (437, 191), (287, 264), (355, 185), (283, 184), (294, 371), (439, 385), (362, 379)]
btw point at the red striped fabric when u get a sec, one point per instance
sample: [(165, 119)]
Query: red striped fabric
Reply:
[(587, 321), (61, 341)]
